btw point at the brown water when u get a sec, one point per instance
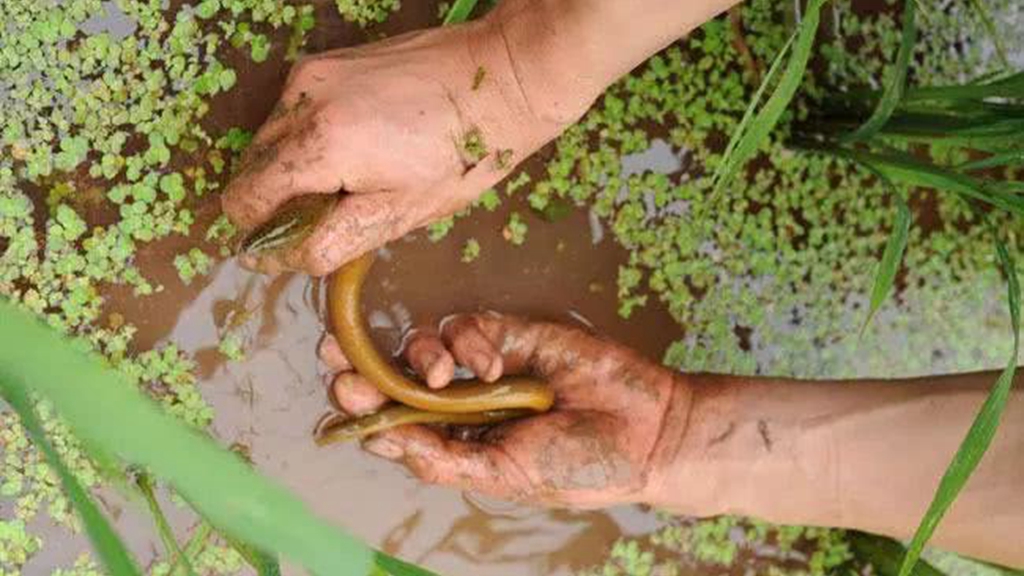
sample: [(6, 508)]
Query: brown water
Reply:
[(270, 401)]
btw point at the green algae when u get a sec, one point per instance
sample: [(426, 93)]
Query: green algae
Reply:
[(367, 12), (470, 250), (100, 101), (682, 546), (515, 229)]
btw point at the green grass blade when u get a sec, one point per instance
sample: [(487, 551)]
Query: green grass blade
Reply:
[(163, 527), (892, 257), (748, 114), (215, 481), (459, 12), (396, 567), (193, 547), (111, 550), (982, 430), (1011, 87), (1013, 158), (264, 564), (896, 84), (906, 169), (993, 32), (749, 138), (884, 554)]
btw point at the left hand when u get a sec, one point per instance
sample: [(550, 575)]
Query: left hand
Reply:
[(595, 448)]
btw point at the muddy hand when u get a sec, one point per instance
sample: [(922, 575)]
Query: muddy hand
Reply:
[(593, 449), (412, 129)]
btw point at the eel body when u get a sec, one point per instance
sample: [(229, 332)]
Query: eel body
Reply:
[(463, 402)]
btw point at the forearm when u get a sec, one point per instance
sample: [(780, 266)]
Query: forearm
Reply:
[(863, 454), (567, 52)]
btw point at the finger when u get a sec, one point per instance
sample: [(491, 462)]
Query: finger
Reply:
[(331, 354), (355, 225), (425, 352), (275, 171), (483, 468), (355, 395), (472, 348), (541, 348)]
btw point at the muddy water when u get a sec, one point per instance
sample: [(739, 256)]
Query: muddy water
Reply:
[(270, 401)]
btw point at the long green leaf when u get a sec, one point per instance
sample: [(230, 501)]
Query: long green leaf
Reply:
[(222, 488), (264, 564), (747, 140), (884, 554), (396, 567), (906, 169), (748, 114), (1011, 86), (1005, 159), (896, 84), (459, 12), (982, 430), (163, 527), (885, 276), (111, 550)]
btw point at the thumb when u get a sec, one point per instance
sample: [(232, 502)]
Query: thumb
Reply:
[(354, 225), (483, 468)]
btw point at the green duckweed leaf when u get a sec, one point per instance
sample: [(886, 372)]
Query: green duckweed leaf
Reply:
[(892, 256), (108, 544)]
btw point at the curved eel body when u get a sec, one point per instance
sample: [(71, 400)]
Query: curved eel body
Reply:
[(465, 402)]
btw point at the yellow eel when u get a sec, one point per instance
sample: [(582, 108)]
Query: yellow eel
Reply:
[(469, 402)]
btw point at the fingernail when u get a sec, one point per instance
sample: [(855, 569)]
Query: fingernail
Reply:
[(384, 447)]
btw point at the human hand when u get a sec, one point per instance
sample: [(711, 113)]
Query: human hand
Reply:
[(595, 448), (412, 129)]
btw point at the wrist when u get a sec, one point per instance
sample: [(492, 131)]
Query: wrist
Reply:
[(751, 447), (662, 488), (555, 72)]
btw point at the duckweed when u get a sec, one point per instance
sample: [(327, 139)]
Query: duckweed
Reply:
[(102, 111), (470, 250), (367, 12)]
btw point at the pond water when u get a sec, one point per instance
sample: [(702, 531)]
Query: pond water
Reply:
[(269, 402)]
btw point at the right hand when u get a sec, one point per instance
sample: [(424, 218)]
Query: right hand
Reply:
[(595, 448), (388, 123)]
